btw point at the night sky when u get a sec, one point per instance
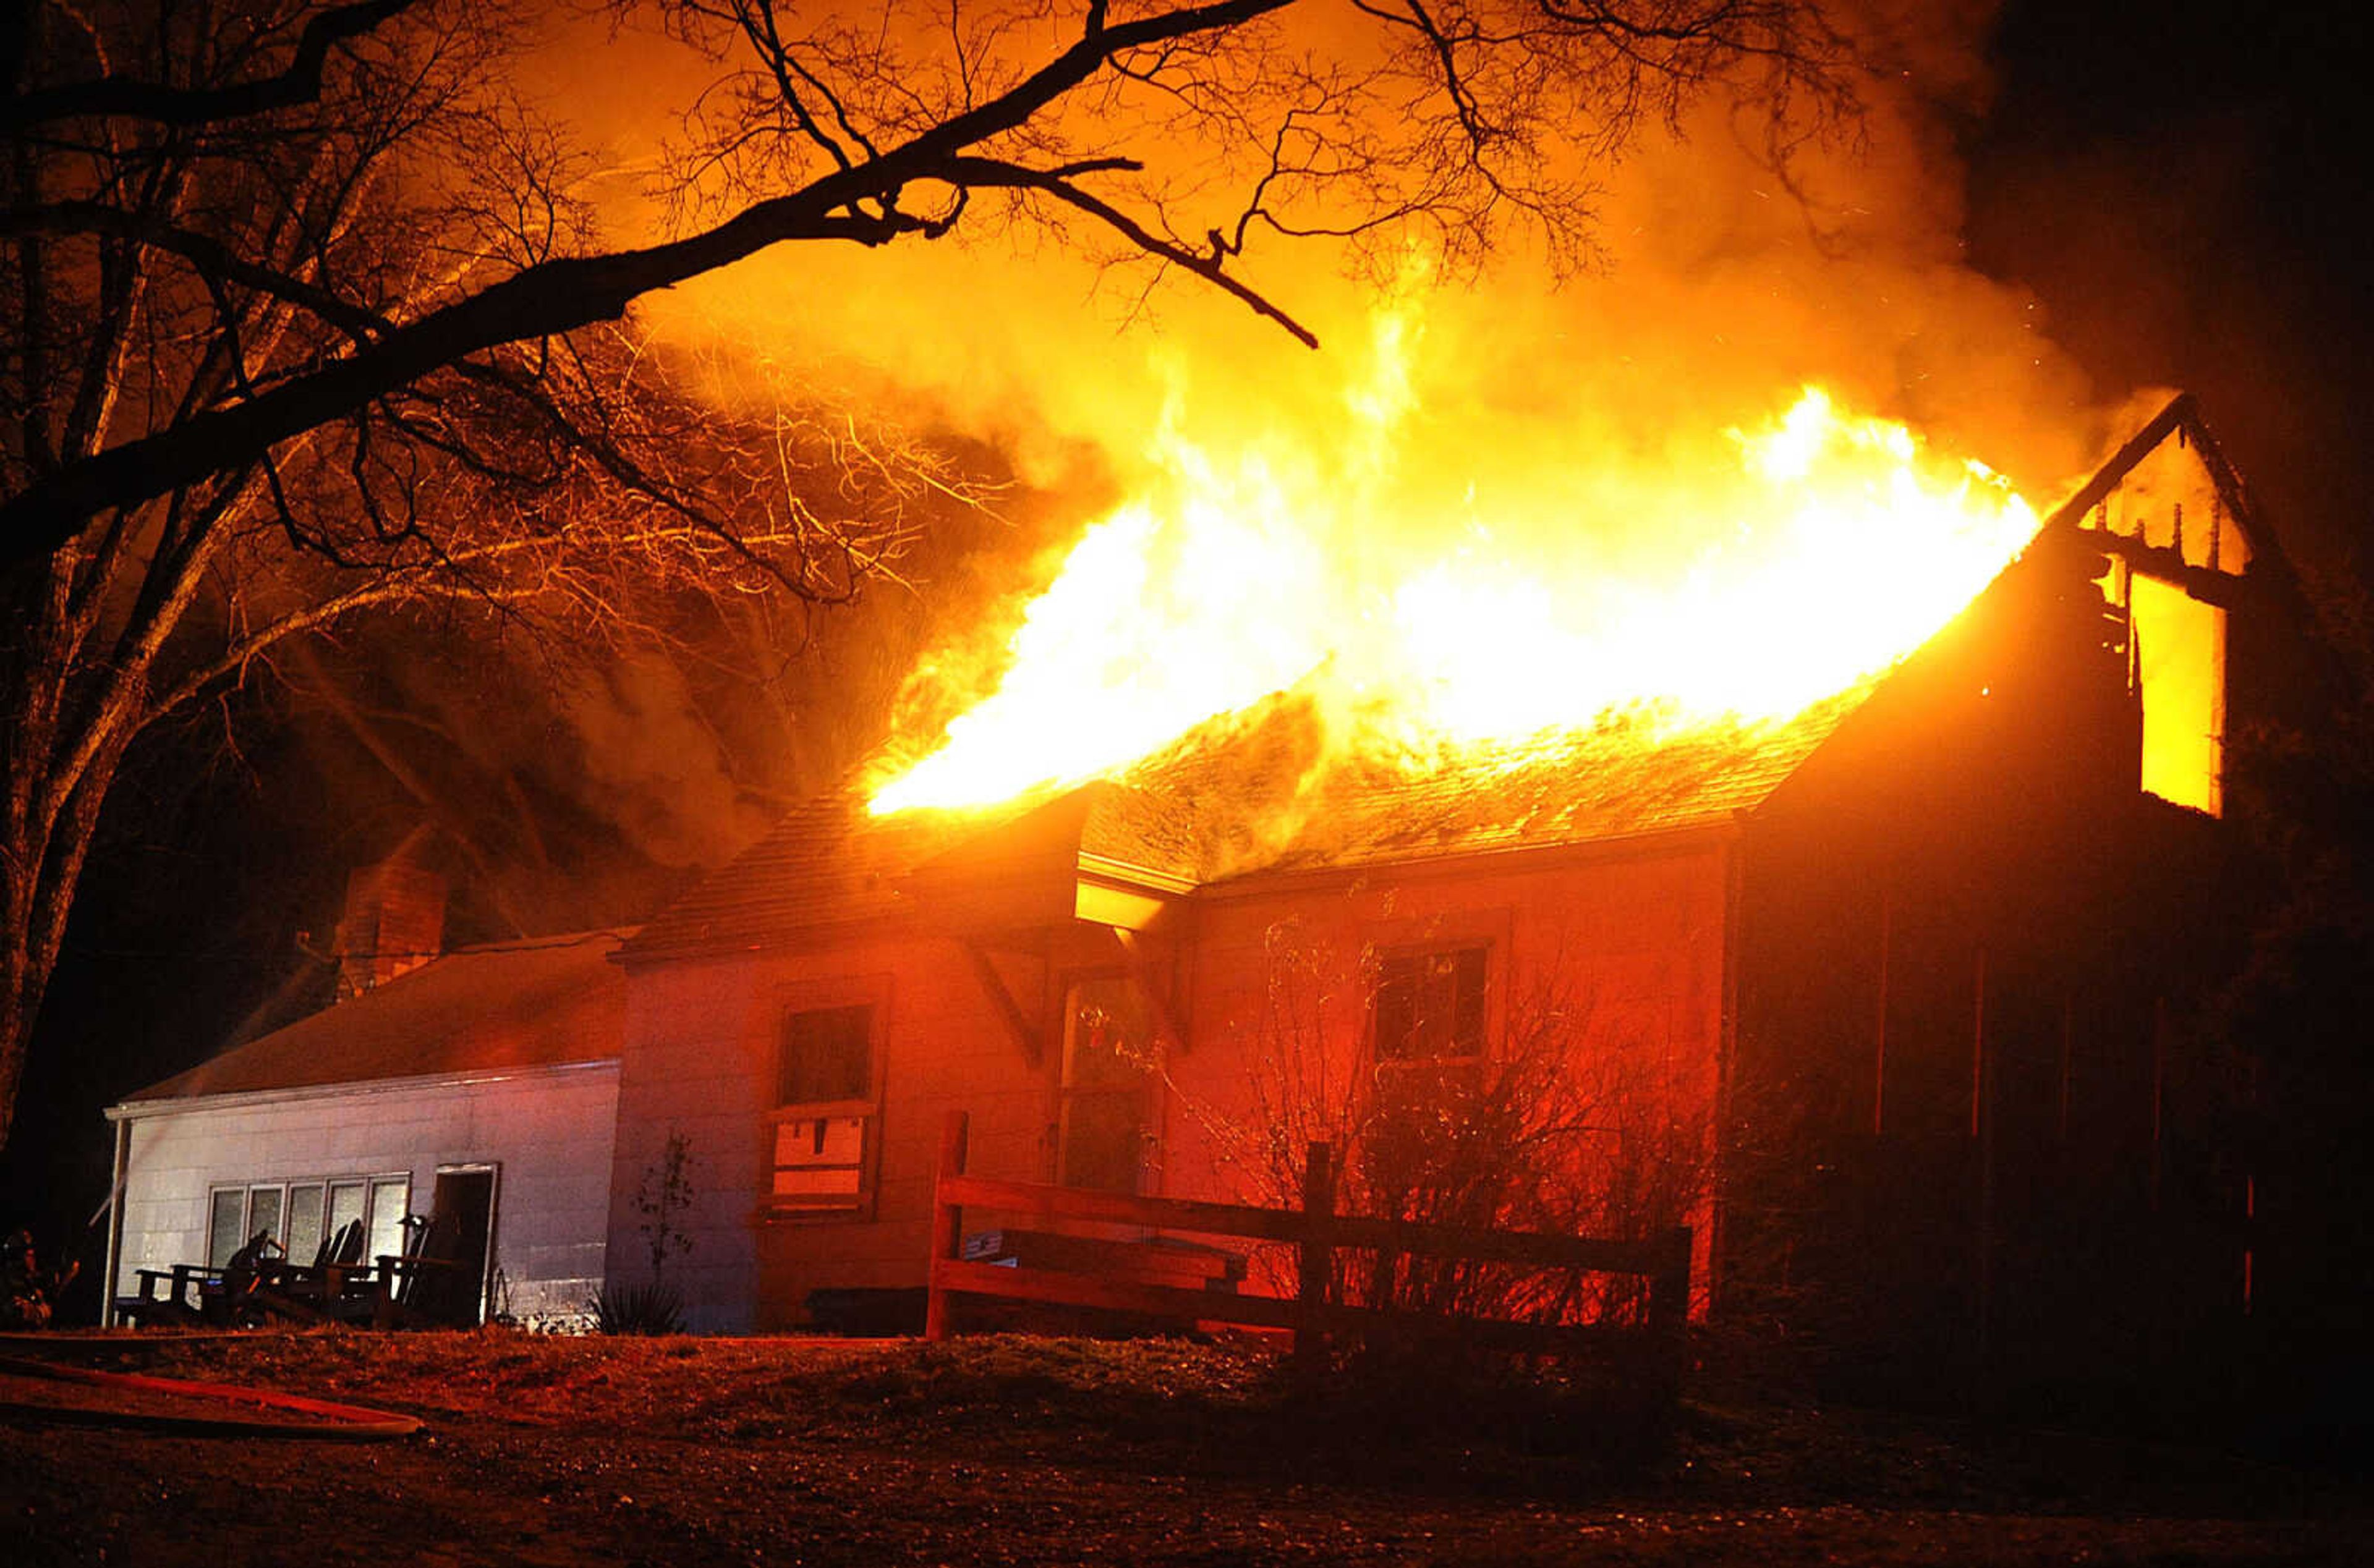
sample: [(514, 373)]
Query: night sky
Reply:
[(2186, 189)]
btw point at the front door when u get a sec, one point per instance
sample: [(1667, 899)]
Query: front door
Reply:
[(464, 1208), (1108, 1085)]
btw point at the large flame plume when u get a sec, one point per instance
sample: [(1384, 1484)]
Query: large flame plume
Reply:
[(1794, 559), (1529, 504)]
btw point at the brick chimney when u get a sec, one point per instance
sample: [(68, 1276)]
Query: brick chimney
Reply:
[(395, 918)]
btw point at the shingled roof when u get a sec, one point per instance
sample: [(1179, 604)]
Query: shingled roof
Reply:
[(828, 864), (1256, 793), (1626, 775), (493, 1009)]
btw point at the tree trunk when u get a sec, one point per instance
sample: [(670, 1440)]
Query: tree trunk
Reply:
[(24, 976)]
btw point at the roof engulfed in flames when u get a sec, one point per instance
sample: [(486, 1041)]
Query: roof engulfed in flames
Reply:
[(1822, 549)]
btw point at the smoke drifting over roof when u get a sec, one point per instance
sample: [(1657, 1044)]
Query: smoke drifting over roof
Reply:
[(1503, 407)]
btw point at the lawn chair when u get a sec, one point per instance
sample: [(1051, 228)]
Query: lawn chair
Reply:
[(169, 1297), (255, 1286), (227, 1299), (333, 1288), (418, 1289)]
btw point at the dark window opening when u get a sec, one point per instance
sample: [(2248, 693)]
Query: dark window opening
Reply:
[(1430, 1004), (824, 1080), (827, 1055)]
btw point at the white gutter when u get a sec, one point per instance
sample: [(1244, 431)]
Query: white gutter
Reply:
[(115, 1221), (135, 1110), (1137, 875)]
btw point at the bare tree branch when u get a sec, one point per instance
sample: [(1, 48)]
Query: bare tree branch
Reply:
[(130, 97), (303, 320), (1209, 265), (556, 296)]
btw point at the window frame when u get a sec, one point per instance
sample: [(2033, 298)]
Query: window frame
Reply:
[(1488, 945), (371, 1182), (320, 1213), (776, 1012)]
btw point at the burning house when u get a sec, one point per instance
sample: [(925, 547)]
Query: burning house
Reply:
[(1884, 990), (1882, 983)]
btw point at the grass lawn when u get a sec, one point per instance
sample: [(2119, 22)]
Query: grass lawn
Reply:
[(1011, 1450)]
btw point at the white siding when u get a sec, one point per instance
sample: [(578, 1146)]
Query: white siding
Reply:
[(550, 1133), (685, 1071)]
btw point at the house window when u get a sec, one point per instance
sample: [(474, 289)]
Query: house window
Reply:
[(391, 1201), (2180, 676), (1429, 1004), (824, 1105), (304, 1234), (827, 1055), (263, 1207), (1106, 1106), (294, 1212), (348, 1201), (226, 1225)]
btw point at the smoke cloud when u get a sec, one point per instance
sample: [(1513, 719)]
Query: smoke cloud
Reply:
[(1542, 414)]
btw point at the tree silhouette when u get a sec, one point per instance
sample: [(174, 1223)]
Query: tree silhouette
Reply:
[(301, 319)]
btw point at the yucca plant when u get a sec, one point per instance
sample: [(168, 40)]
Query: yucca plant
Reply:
[(652, 1308)]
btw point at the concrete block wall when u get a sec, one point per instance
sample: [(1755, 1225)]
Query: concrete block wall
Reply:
[(700, 1060), (549, 1133)]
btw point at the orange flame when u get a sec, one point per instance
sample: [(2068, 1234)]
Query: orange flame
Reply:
[(1842, 544)]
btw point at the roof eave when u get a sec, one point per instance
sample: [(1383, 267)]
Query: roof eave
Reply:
[(136, 1108), (1470, 863), (1168, 883)]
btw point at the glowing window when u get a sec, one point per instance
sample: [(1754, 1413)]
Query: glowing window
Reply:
[(2181, 674)]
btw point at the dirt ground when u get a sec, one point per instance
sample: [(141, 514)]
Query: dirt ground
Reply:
[(1010, 1451)]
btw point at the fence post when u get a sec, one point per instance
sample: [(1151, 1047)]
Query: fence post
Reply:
[(1669, 1310), (947, 1221), (1317, 1258)]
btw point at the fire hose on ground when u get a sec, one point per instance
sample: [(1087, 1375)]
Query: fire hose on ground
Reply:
[(244, 1411)]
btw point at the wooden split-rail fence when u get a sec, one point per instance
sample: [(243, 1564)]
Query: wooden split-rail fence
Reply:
[(1317, 1232)]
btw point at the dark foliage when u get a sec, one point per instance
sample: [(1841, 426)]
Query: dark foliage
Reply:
[(651, 1307)]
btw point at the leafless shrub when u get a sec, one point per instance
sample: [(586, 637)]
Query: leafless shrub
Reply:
[(1569, 1121)]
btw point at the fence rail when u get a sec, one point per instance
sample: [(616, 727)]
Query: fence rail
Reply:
[(1317, 1232)]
